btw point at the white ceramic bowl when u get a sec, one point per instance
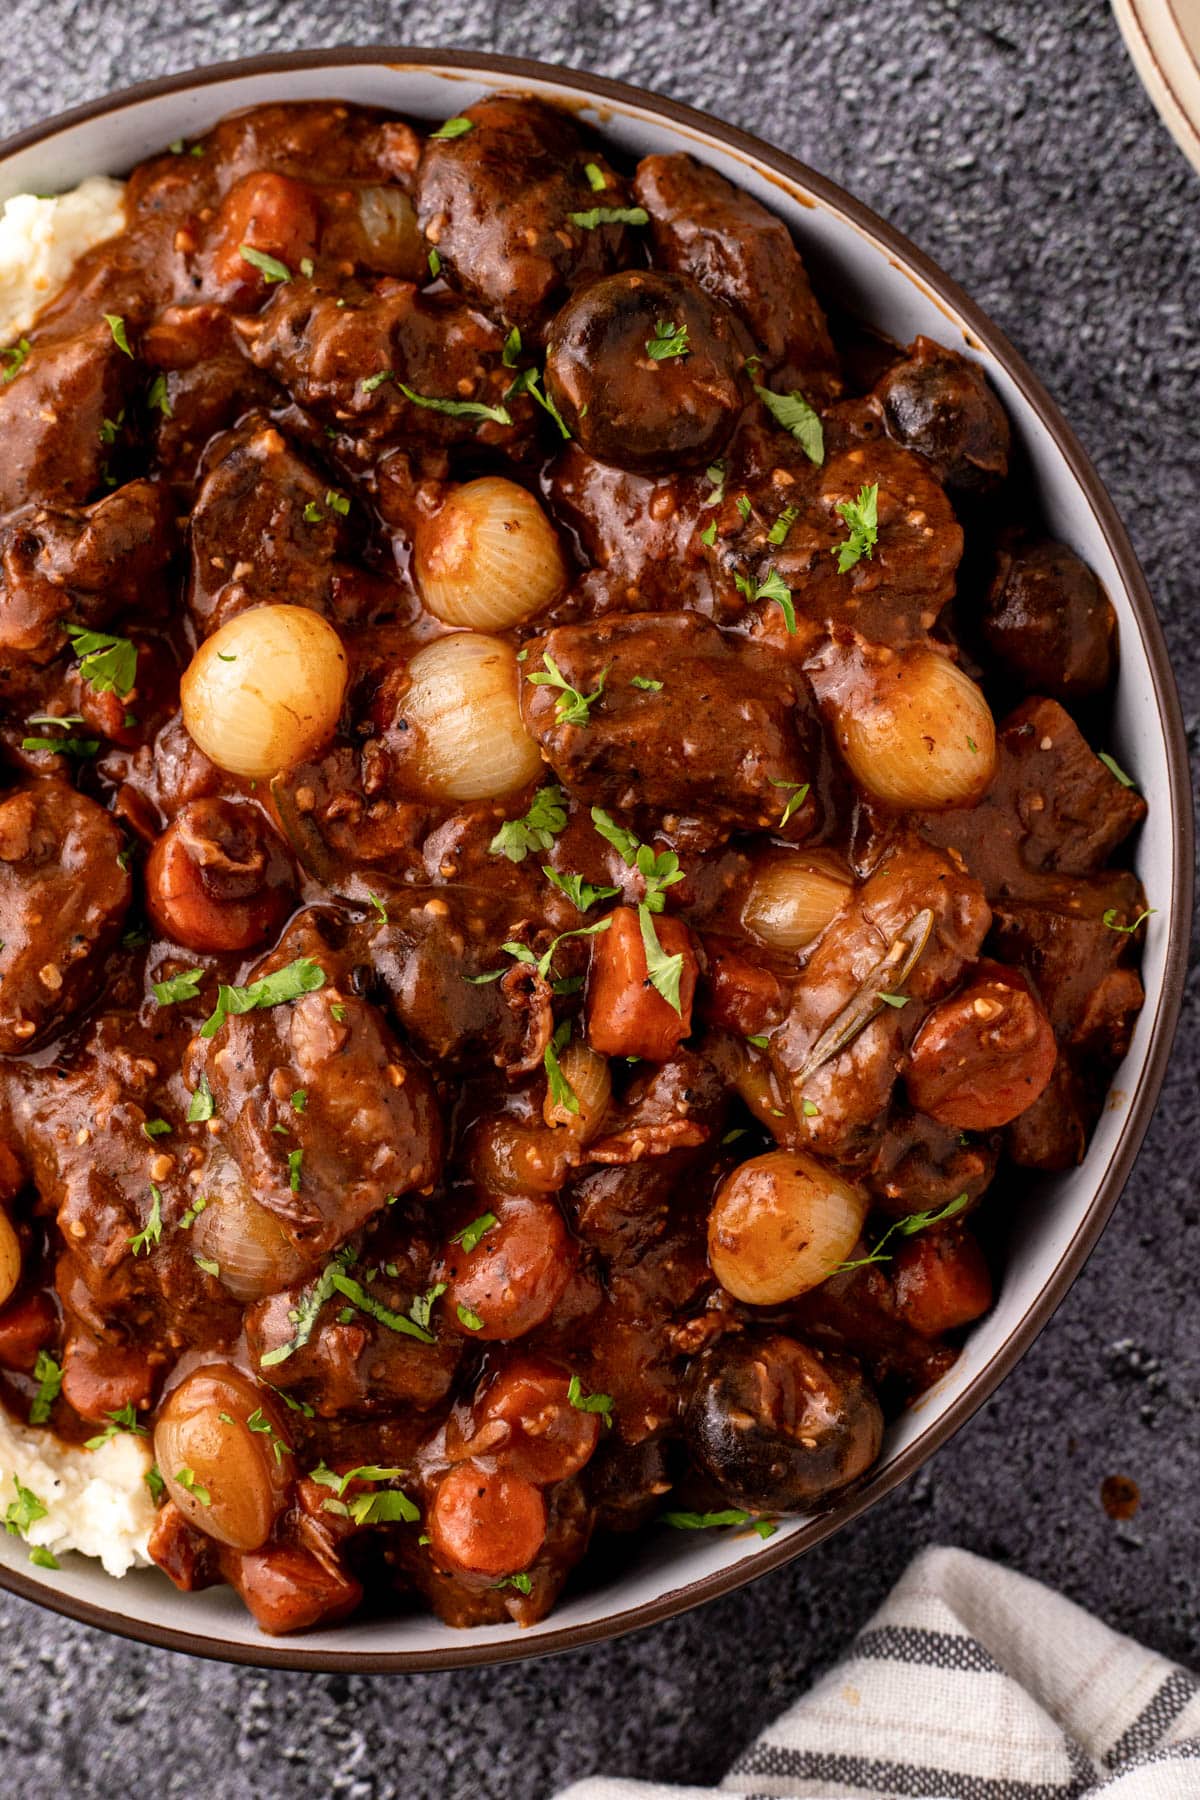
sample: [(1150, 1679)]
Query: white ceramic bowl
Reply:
[(871, 270)]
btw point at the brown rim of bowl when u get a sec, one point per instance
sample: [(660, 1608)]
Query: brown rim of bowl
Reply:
[(292, 1654)]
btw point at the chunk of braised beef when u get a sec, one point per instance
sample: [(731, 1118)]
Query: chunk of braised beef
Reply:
[(114, 552), (1079, 949), (496, 203), (1053, 807), (63, 897), (1052, 1134), (262, 531), (347, 364), (370, 1128), (52, 416), (938, 403), (1047, 621), (689, 732), (741, 254), (647, 371)]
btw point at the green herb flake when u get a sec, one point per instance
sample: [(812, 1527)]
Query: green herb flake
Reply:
[(896, 1000), (468, 1317), (793, 412), (589, 1403), (470, 1235), (193, 1213), (758, 1038), (42, 1558), (379, 909), (646, 682), (561, 1092), (909, 1226), (14, 358), (151, 1232), (435, 264), (186, 1479), (185, 986), (609, 215), (669, 340), (124, 1419), (65, 746), (1114, 768), (861, 517), (337, 503), (512, 348), (153, 1128), (201, 1106), (571, 707), (783, 524), (709, 534), (1110, 919), (597, 179), (269, 267), (156, 1484), (48, 1375), (120, 336), (705, 1521), (581, 893), (158, 399), (811, 1110), (375, 1309), (312, 514), (24, 1511), (665, 972), (299, 1100), (453, 128), (209, 1266), (536, 830), (522, 1583), (457, 409), (772, 586), (303, 976), (798, 794), (369, 383)]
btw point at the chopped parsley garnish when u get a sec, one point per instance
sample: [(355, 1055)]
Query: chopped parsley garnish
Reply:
[(300, 1406), (201, 1106), (1110, 919), (783, 524), (24, 1511), (387, 1507), (454, 128), (715, 476), (154, 1481), (665, 972), (258, 1422), (597, 179), (336, 502), (193, 1213), (609, 215), (528, 382), (295, 1159), (375, 1309), (208, 1264), (589, 1403), (470, 1235), (185, 986), (304, 976), (369, 383), (186, 1479), (43, 1558), (124, 1419), (571, 707), (151, 1233), (120, 336), (468, 1317), (48, 1375), (742, 502), (797, 795), (435, 264), (709, 534), (1114, 768), (811, 1110), (669, 340), (312, 515), (896, 1000), (646, 682), (706, 1521), (421, 1310), (771, 587), (457, 409), (304, 1315), (909, 1226), (861, 517), (759, 1039), (561, 1092), (158, 398), (512, 348), (64, 746), (547, 815), (793, 412), (522, 1583), (580, 892), (14, 358), (300, 1100), (542, 963), (269, 267), (153, 1128)]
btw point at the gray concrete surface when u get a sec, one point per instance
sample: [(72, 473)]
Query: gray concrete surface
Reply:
[(1011, 139)]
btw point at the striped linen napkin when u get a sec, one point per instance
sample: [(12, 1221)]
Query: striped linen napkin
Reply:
[(972, 1683)]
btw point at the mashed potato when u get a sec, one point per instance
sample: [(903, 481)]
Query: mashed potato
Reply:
[(40, 240), (96, 1501)]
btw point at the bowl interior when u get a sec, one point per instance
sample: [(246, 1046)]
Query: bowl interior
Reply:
[(1054, 1221)]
